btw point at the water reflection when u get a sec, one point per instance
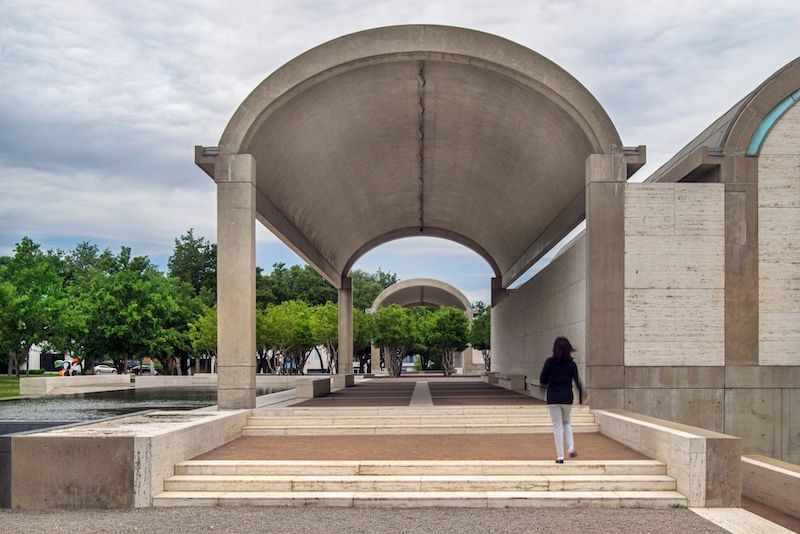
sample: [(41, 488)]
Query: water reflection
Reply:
[(89, 406)]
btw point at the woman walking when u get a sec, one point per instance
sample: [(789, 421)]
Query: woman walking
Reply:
[(557, 375)]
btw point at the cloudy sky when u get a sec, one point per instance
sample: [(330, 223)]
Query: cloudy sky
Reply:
[(103, 101)]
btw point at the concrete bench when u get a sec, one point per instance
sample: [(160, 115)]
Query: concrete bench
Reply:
[(535, 389), (340, 381), (512, 382), (490, 377), (313, 387)]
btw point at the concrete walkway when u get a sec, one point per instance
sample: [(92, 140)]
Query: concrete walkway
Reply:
[(442, 391), (358, 521)]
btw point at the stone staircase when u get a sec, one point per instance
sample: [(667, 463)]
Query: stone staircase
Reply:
[(473, 483), (417, 483), (407, 420)]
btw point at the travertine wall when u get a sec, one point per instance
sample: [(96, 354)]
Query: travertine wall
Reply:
[(674, 275), (527, 320), (779, 243)]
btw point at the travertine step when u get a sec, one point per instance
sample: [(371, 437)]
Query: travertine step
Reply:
[(419, 467), (418, 483), (599, 499), (350, 430), (393, 420), (436, 411)]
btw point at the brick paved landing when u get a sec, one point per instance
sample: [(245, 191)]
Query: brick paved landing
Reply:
[(590, 446), (453, 391)]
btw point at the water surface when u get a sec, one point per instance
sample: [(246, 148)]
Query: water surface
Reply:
[(90, 406)]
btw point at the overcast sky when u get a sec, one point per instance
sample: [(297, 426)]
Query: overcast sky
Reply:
[(103, 101)]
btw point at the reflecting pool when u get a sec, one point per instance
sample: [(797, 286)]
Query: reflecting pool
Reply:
[(90, 406)]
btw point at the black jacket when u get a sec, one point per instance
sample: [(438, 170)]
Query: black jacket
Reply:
[(558, 377)]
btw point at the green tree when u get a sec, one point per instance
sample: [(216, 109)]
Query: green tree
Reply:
[(448, 334), (363, 329), (194, 261), (429, 357), (132, 310), (480, 336), (35, 308), (293, 283), (395, 331), (203, 332), (367, 286), (285, 330), (325, 331)]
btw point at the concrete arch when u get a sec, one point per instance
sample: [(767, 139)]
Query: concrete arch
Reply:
[(422, 292), (398, 131), (429, 232), (739, 132), (409, 128)]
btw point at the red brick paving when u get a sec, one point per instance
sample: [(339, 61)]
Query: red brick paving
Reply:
[(590, 446)]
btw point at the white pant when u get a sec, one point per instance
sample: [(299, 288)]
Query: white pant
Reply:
[(559, 414)]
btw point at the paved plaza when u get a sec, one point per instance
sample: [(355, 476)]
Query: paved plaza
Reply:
[(353, 521)]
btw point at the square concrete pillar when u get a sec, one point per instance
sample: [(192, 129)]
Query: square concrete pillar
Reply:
[(740, 176), (605, 276), (345, 333), (235, 175)]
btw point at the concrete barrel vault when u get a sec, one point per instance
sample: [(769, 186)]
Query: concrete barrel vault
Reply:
[(425, 292), (398, 132)]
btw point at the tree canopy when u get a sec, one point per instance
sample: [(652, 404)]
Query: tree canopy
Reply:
[(480, 335)]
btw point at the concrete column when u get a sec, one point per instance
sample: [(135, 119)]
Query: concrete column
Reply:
[(344, 376), (235, 175), (740, 176), (605, 279), (375, 354)]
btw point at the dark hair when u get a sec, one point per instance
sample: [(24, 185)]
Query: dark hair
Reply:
[(562, 349)]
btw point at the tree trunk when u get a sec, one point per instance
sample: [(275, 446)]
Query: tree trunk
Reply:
[(487, 359), (447, 361)]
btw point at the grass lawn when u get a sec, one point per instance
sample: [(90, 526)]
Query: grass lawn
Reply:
[(9, 387)]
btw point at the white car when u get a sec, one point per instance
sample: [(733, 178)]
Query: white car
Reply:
[(102, 369)]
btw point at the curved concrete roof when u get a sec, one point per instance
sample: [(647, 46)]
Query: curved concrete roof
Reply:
[(420, 130), (732, 132), (422, 292)]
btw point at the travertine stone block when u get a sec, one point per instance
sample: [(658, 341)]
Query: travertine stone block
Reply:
[(778, 244), (674, 274), (784, 138), (698, 210), (779, 181)]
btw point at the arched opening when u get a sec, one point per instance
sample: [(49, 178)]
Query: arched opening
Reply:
[(400, 131)]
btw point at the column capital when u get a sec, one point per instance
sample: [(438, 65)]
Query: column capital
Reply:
[(234, 168)]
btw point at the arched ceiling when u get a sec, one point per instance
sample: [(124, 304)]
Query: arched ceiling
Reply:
[(420, 130), (422, 292)]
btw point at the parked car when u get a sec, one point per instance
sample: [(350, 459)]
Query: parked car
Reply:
[(144, 370), (103, 369)]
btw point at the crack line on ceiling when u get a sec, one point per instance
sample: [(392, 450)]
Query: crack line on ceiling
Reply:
[(421, 141)]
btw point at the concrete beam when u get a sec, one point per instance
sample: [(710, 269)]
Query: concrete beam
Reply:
[(698, 163), (563, 224), (277, 223)]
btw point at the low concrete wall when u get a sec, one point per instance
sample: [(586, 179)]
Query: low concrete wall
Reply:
[(53, 384), (120, 463), (772, 482), (13, 427), (512, 382), (705, 464), (158, 381), (313, 387)]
